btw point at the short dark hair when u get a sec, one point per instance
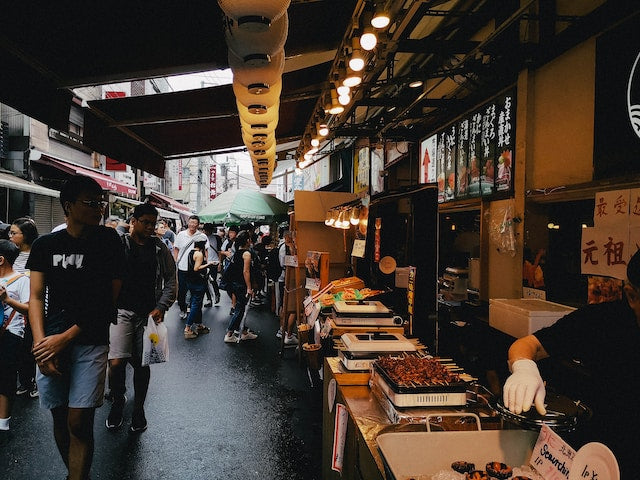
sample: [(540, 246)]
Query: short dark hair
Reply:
[(243, 238), (633, 269), (144, 209), (9, 250), (194, 217), (209, 227), (234, 228), (75, 186), (200, 244), (28, 228)]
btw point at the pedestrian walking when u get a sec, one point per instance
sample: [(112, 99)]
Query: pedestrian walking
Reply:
[(80, 267), (182, 245), (196, 285), (149, 289), (22, 233), (14, 295)]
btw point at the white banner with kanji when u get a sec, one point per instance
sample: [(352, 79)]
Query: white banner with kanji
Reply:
[(611, 208), (606, 251), (634, 207)]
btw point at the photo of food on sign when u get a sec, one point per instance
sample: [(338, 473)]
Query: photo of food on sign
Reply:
[(604, 289)]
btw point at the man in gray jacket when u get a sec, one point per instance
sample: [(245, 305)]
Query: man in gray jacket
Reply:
[(148, 290)]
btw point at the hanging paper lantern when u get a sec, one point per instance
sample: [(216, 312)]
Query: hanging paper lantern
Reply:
[(265, 116), (263, 153), (254, 15), (258, 140), (258, 127), (257, 48), (268, 99), (257, 79)]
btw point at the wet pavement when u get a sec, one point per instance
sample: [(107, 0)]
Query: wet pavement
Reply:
[(215, 411)]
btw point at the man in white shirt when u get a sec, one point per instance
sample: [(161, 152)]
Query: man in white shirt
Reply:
[(184, 243)]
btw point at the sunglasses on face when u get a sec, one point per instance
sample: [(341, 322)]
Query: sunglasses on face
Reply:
[(101, 204)]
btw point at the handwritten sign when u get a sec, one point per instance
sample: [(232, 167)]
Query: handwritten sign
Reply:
[(606, 251), (358, 248), (339, 437), (611, 208), (552, 457)]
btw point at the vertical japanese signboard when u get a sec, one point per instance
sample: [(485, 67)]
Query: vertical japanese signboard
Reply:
[(487, 158), (428, 152), (212, 182), (462, 153), (475, 147), (450, 163), (361, 170), (440, 165), (504, 144)]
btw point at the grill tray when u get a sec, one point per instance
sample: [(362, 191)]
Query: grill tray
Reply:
[(451, 387)]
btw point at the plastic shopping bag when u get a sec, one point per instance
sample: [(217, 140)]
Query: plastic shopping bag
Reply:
[(155, 343)]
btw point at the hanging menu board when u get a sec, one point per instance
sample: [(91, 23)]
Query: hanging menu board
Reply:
[(462, 167), (474, 156)]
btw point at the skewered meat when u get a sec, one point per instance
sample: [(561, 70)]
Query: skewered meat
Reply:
[(499, 470), (413, 370)]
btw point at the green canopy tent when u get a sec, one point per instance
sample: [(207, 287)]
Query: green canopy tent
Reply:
[(237, 206)]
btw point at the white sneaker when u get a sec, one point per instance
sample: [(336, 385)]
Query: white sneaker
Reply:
[(230, 338), (279, 333), (290, 339), (248, 335)]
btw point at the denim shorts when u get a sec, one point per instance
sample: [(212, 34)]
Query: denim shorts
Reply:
[(125, 338), (79, 386)]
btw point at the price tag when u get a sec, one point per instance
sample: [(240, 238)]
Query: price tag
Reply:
[(358, 248), (291, 260), (552, 457)]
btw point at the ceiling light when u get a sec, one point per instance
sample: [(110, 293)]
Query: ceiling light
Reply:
[(315, 142), (356, 59), (368, 40), (416, 84), (380, 17), (344, 100), (352, 79), (323, 129), (343, 90), (334, 108)]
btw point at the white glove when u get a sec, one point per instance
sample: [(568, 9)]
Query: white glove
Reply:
[(524, 387)]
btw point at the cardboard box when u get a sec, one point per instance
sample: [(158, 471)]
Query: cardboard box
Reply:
[(522, 317)]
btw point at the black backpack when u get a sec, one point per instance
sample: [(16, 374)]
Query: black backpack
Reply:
[(274, 269)]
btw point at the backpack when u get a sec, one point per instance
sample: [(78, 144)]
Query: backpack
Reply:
[(274, 269)]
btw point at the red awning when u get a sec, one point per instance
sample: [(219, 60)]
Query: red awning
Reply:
[(105, 181), (171, 203)]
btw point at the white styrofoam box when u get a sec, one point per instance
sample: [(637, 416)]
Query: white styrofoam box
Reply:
[(520, 317)]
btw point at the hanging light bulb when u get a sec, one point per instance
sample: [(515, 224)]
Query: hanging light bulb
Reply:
[(353, 79), (355, 216), (368, 40), (344, 99), (343, 90), (323, 129), (315, 142), (356, 59), (328, 219), (334, 108), (380, 17)]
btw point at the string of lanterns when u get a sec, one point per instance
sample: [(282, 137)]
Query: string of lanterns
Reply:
[(256, 33)]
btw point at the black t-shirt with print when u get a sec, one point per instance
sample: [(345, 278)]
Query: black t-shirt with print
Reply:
[(78, 274)]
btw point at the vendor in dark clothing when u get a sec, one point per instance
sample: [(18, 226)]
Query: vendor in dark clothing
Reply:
[(605, 338)]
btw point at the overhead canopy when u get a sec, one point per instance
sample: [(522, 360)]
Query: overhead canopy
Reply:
[(237, 206)]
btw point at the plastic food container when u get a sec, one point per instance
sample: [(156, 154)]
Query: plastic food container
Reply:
[(522, 317)]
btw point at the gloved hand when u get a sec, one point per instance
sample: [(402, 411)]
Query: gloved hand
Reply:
[(524, 387)]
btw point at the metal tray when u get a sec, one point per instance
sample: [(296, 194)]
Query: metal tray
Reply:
[(415, 454)]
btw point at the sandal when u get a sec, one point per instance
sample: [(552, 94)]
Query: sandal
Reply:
[(202, 330), (188, 334)]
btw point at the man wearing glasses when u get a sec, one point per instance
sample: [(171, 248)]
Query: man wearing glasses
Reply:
[(80, 267), (148, 290), (185, 241)]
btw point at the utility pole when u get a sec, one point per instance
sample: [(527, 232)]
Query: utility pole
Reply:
[(199, 189)]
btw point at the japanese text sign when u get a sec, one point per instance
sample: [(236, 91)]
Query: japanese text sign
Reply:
[(552, 457), (611, 208), (606, 251)]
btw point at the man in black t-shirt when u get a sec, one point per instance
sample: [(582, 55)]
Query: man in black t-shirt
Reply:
[(148, 290), (80, 268), (604, 339)]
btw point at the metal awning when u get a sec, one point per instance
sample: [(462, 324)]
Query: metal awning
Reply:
[(105, 181), (16, 183), (162, 213)]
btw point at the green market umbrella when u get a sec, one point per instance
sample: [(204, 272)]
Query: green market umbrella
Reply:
[(238, 206)]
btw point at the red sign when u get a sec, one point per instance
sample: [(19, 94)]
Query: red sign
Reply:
[(212, 182), (113, 94), (115, 165), (179, 174), (376, 243)]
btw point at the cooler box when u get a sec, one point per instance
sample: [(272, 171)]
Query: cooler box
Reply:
[(522, 317)]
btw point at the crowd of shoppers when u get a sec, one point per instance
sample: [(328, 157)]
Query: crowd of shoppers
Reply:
[(131, 271)]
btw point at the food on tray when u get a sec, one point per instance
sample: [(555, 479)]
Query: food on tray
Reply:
[(461, 466), (499, 470), (476, 475), (326, 300), (413, 370)]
